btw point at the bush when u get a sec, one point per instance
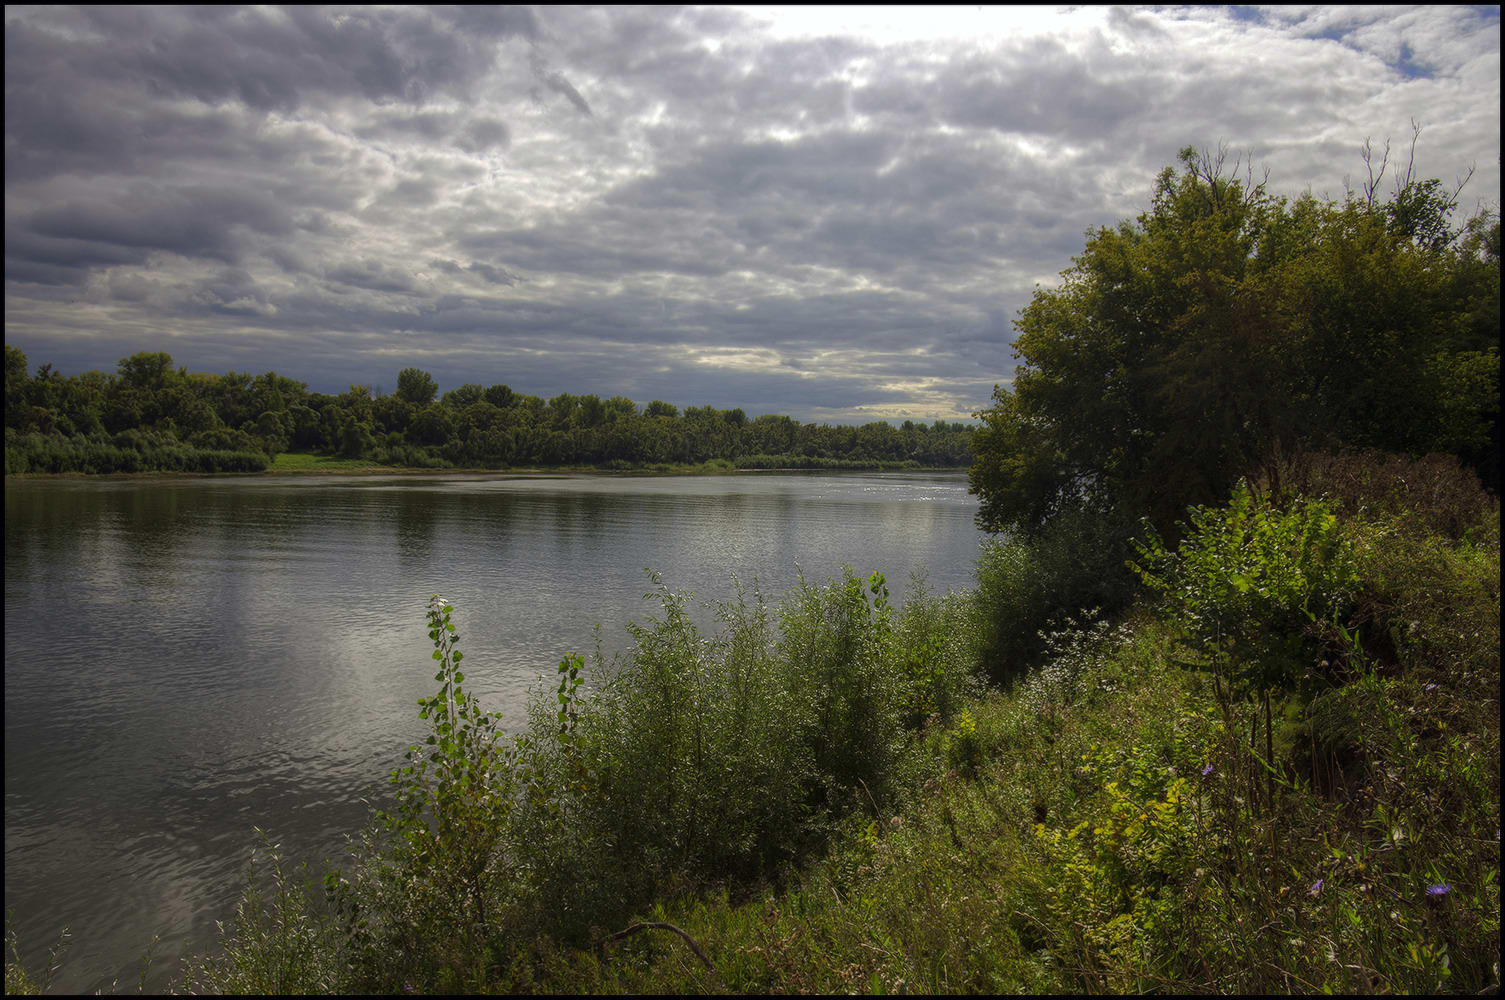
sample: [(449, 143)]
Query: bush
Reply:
[(1026, 585), (1249, 578), (1432, 495), (129, 451), (719, 760)]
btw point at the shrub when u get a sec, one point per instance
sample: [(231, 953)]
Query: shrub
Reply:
[(1247, 580), (1025, 585), (1431, 495)]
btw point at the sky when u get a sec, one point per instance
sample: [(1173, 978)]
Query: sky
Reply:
[(834, 213)]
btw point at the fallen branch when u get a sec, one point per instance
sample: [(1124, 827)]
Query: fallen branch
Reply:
[(657, 926)]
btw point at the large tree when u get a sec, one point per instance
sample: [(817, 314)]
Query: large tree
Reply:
[(1224, 326), (416, 386)]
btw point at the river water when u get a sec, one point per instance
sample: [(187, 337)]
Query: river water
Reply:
[(188, 658)]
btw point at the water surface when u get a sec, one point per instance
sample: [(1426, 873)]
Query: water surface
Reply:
[(186, 658)]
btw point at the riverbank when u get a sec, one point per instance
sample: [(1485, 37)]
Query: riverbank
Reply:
[(302, 463), (834, 806), (296, 464)]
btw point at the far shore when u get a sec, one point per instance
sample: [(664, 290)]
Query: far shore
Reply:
[(302, 464)]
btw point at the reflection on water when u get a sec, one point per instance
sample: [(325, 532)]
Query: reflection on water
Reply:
[(186, 658)]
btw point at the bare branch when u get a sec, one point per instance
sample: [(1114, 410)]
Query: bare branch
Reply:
[(1404, 181), (1373, 183), (657, 925), (1462, 182)]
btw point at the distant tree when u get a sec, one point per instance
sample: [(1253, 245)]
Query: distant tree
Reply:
[(393, 414), (592, 411), (563, 410), (416, 386), (16, 381), (270, 428), (356, 438), (459, 399), (432, 425), (659, 408), (620, 408), (500, 396), (146, 371)]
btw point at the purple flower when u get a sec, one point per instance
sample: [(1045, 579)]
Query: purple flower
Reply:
[(1430, 687), (1316, 887), (1206, 770), (1439, 890)]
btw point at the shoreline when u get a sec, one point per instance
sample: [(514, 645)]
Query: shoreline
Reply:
[(529, 471)]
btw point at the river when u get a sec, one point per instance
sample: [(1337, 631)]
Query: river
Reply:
[(189, 657)]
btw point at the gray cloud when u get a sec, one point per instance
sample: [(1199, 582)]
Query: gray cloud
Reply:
[(687, 204)]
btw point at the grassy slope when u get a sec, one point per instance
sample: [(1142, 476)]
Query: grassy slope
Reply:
[(1101, 827), (1086, 851)]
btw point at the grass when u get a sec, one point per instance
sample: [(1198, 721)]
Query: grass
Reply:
[(1103, 839)]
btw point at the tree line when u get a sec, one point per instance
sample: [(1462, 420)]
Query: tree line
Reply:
[(153, 415)]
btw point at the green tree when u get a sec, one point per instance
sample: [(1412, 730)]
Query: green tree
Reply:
[(146, 371), (16, 381), (459, 399), (1191, 346), (659, 408), (433, 425), (416, 387), (620, 408), (592, 410), (355, 438), (501, 396)]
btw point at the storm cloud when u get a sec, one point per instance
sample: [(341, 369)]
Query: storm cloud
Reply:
[(830, 213)]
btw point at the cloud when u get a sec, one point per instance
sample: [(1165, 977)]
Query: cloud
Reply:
[(831, 213)]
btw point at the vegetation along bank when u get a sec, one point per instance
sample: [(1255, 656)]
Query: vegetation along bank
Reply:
[(150, 416)]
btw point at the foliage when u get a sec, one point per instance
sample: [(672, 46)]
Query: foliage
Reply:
[(54, 453), (1247, 580), (1027, 583), (277, 945), (416, 387), (18, 982), (188, 415), (1098, 829), (1190, 347)]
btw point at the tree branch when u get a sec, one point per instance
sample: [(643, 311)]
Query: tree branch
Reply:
[(656, 925)]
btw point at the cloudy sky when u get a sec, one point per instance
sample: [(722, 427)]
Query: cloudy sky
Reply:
[(832, 213)]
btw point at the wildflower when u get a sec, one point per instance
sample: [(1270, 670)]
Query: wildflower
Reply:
[(1430, 687), (1439, 890), (1206, 770), (1316, 887)]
